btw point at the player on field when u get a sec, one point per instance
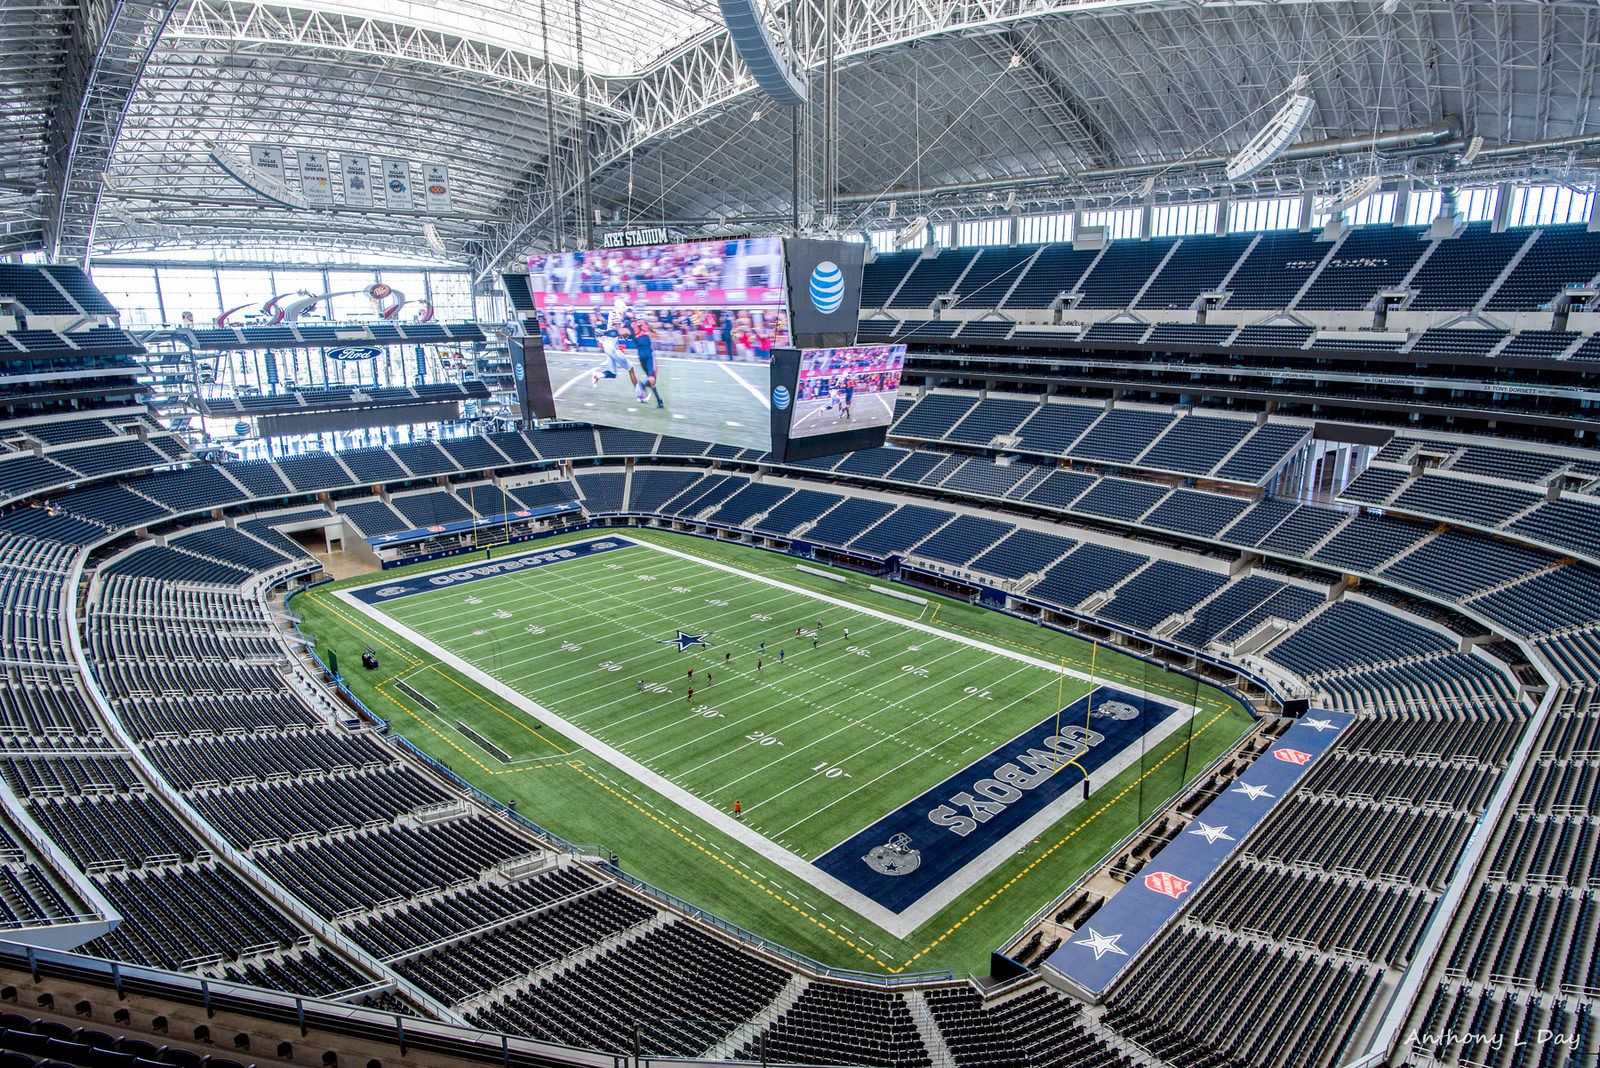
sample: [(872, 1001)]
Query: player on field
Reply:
[(622, 327), (847, 395), (645, 352)]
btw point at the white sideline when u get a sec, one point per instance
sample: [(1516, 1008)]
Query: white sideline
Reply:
[(900, 924)]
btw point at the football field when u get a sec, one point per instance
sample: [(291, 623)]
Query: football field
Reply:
[(886, 760)]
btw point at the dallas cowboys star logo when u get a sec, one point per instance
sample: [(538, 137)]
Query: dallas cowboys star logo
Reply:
[(1254, 793), (1319, 725), (685, 640), (1101, 944), (1211, 834)]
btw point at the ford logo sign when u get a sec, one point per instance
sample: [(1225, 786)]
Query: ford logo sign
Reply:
[(780, 398), (827, 287), (355, 355)]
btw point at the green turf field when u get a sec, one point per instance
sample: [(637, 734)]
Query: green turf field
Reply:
[(537, 676)]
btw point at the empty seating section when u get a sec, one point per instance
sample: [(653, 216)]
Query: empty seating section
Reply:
[(1271, 981), (1194, 512), (602, 493), (424, 458), (1187, 335), (544, 495), (848, 521), (191, 488), (798, 508), (229, 546), (1228, 608), (1458, 343), (36, 291), (1160, 590), (374, 466), (1262, 453), (1460, 270), (314, 471), (1198, 266), (837, 1024), (1275, 270), (1566, 523), (963, 538), (1055, 271), (1195, 444), (989, 419), (1060, 488), (1375, 485), (1560, 257), (1472, 499), (430, 508), (1273, 337), (1124, 269), (933, 416), (1369, 258), (1302, 529), (650, 488), (23, 475), (883, 275), (1519, 465), (1368, 541), (599, 1003), (985, 478), (1436, 566), (752, 499), (1537, 345), (1346, 635), (933, 276), (1087, 569), (1259, 521), (260, 477), (1129, 333), (176, 915), (1121, 435), (1054, 427), (1117, 498), (899, 531), (991, 276), (1023, 552)]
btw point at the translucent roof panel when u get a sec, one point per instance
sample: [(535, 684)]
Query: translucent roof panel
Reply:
[(620, 37)]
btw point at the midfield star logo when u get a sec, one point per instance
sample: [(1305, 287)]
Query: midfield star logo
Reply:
[(685, 641)]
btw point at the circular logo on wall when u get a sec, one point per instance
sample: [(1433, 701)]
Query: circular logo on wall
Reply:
[(780, 397), (378, 290), (827, 287)]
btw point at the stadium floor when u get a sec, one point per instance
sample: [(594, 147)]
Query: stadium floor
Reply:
[(564, 688)]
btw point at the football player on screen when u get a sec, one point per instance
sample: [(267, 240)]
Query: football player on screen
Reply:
[(622, 327)]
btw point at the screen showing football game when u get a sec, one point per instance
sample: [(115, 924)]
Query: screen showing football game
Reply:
[(666, 339), (846, 389)]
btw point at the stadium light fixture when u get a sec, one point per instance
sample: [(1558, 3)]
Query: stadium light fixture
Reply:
[(1348, 196), (1274, 137), (430, 233)]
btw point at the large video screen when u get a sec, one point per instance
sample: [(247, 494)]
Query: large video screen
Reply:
[(668, 339), (846, 389)]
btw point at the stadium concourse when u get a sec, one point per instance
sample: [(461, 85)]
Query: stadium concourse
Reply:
[(859, 533)]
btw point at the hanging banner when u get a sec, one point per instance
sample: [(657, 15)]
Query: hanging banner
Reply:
[(397, 183), (357, 180), (436, 187), (267, 161), (316, 185)]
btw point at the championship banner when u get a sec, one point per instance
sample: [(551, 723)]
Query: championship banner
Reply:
[(315, 183), (357, 180), (267, 161), (397, 183), (436, 187)]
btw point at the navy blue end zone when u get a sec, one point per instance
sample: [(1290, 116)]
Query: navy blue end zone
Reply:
[(1108, 942), (380, 592), (914, 849)]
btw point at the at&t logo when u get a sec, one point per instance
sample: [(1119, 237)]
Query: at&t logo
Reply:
[(827, 287), (780, 398)]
